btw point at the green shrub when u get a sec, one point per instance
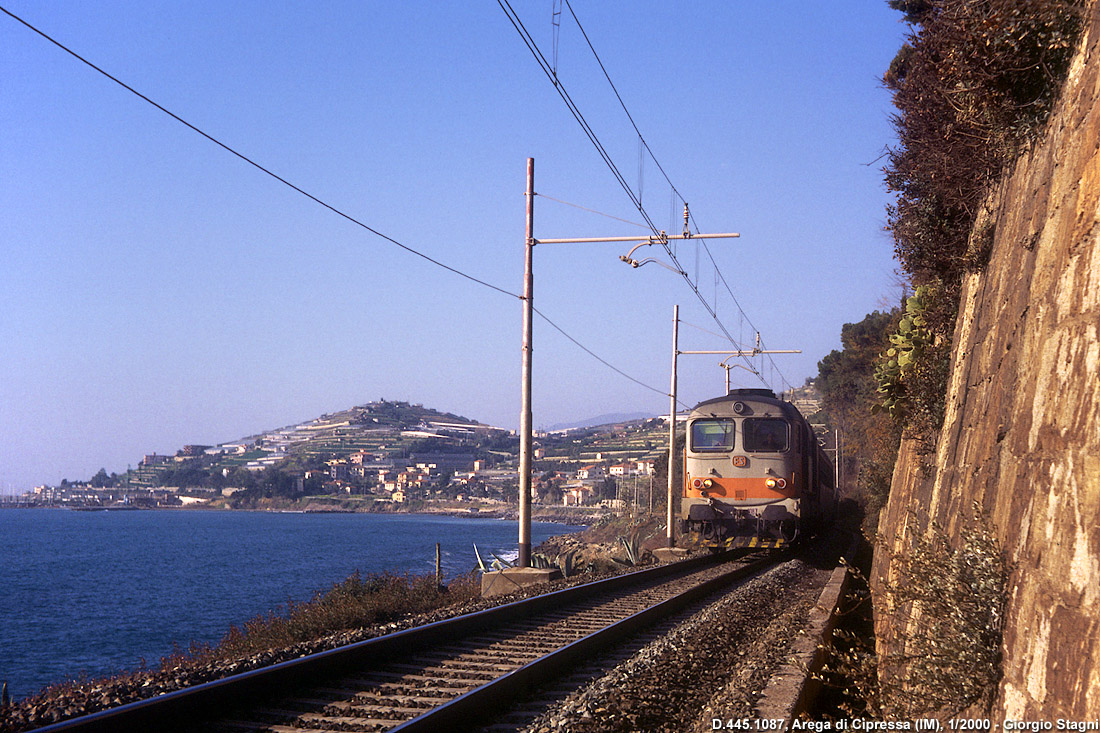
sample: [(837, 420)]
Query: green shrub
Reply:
[(899, 361), (912, 372), (948, 604)]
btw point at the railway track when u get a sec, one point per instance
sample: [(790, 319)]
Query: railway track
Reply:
[(449, 675)]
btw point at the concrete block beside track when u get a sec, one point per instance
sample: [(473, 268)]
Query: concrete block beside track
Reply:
[(510, 580)]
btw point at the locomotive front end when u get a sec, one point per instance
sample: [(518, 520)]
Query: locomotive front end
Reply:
[(744, 472)]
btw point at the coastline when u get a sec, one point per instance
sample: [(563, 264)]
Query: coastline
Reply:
[(199, 573), (574, 516)]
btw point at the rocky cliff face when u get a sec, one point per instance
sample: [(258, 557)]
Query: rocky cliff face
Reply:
[(1022, 432)]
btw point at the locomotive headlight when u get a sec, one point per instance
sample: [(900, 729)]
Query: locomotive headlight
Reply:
[(771, 483), (708, 484)]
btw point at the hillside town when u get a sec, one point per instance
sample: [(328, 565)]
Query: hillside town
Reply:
[(387, 456), (381, 453)]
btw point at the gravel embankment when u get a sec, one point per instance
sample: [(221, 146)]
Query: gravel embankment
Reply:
[(713, 665)]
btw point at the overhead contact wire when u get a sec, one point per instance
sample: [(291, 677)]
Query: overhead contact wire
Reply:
[(621, 102), (547, 69), (532, 46), (741, 310), (675, 191)]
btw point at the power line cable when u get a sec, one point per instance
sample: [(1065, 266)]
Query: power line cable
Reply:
[(316, 199), (584, 348), (256, 165)]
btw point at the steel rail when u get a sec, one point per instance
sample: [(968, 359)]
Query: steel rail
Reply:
[(192, 706), (472, 708)]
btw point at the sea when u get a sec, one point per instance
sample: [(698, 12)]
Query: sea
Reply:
[(86, 594)]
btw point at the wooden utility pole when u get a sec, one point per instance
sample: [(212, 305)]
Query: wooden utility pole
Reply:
[(634, 505), (438, 566)]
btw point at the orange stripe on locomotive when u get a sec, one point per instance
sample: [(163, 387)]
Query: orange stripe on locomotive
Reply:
[(740, 489)]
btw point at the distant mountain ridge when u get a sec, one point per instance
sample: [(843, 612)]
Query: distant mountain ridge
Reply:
[(608, 419)]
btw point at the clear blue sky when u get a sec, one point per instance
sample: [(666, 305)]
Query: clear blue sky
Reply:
[(156, 291)]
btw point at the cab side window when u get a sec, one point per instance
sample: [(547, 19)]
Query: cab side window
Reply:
[(766, 435)]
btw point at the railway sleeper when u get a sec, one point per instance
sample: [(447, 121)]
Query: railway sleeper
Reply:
[(552, 639), (498, 637), (442, 670), (269, 728), (376, 688), (425, 697), (421, 702), (470, 665), (471, 654), (521, 646), (429, 678), (306, 704), (346, 720), (484, 645), (350, 707), (488, 655)]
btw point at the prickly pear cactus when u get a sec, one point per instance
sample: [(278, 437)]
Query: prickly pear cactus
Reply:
[(906, 348)]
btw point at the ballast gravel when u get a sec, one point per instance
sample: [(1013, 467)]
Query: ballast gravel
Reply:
[(712, 666)]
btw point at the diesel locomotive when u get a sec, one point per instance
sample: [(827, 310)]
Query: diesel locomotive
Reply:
[(754, 473)]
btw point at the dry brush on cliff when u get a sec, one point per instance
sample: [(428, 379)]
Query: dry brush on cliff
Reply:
[(973, 85), (945, 608)]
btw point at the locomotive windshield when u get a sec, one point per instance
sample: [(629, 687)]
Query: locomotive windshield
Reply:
[(765, 434), (712, 435)]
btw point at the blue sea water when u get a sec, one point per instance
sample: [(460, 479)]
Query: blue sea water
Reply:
[(97, 592)]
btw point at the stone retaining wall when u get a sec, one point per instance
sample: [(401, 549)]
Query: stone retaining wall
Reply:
[(1022, 431)]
